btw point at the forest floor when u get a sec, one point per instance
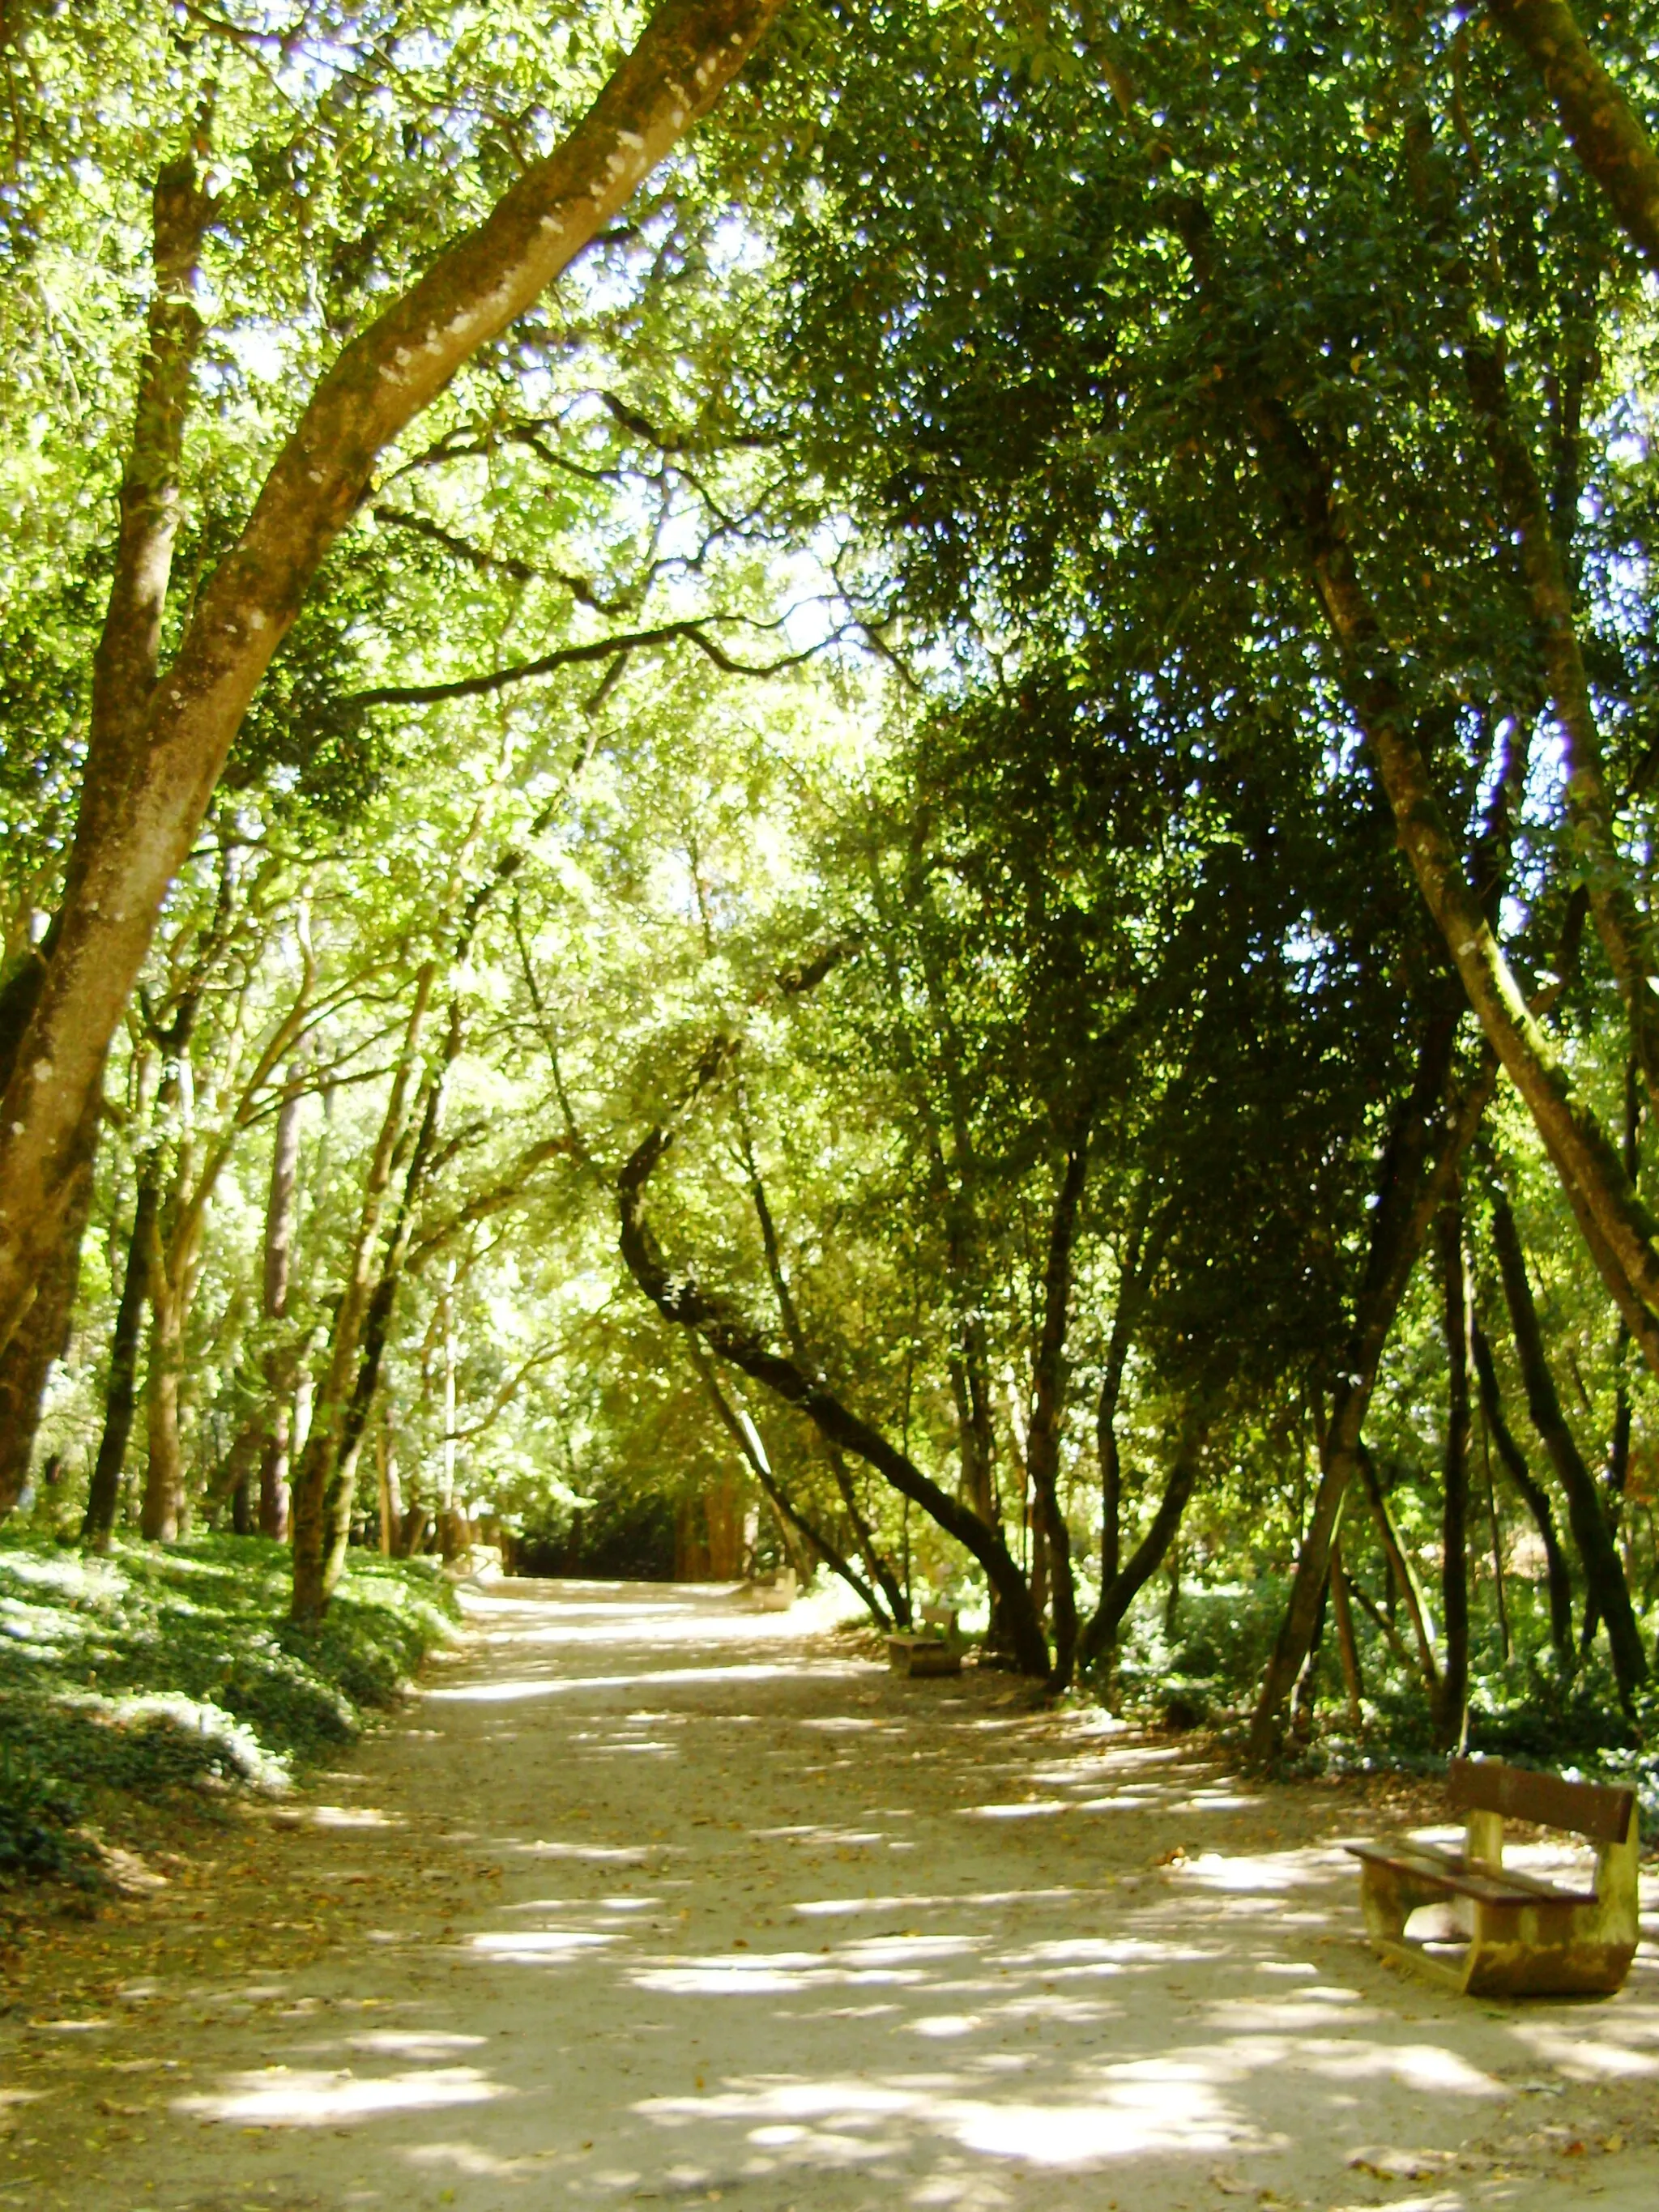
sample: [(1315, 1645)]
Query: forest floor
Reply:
[(646, 1898)]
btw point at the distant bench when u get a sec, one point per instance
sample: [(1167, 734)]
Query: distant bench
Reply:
[(1527, 1937), (773, 1593), (937, 1649)]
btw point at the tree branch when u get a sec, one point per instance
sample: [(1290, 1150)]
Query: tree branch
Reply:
[(571, 656)]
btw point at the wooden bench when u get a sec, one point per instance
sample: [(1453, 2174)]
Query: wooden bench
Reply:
[(936, 1650), (1527, 1937)]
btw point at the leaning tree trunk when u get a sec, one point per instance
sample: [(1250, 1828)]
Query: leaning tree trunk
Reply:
[(1606, 131), (1403, 1575), (793, 1521), (1625, 937), (123, 671), (864, 1535), (1604, 1570), (340, 1491), (1618, 1474), (679, 1297), (1304, 1694), (1347, 1644), (145, 796), (1619, 1233)]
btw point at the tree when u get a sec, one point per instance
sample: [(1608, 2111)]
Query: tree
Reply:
[(148, 782)]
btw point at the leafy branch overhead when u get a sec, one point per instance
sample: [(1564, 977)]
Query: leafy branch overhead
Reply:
[(860, 793)]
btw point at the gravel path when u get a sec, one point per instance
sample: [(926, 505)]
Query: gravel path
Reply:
[(653, 1900)]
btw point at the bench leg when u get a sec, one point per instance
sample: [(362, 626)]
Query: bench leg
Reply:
[(1560, 1950), (1388, 1898)]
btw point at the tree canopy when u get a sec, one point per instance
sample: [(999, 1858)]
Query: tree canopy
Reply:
[(866, 787)]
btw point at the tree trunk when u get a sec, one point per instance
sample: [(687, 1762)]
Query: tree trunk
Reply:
[(275, 1457), (678, 1297), (971, 1396), (1049, 1404), (1402, 1576), (1380, 1622), (143, 798), (123, 681), (1134, 1274), (313, 1537), (1607, 133), (1604, 1572), (1305, 1696), (261, 1442), (1618, 1229), (1618, 1474), (162, 1511), (747, 1443), (1495, 1521), (1536, 1497), (43, 1337), (120, 1393), (864, 1535), (363, 1322), (390, 1490), (341, 1484), (239, 1479), (172, 1236), (1451, 1705), (1347, 1644), (1625, 934), (1099, 1639), (25, 1365), (1425, 1145)]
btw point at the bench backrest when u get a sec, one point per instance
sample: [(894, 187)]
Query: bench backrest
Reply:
[(939, 1616), (1582, 1808)]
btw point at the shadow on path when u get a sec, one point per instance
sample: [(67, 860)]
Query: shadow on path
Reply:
[(653, 1898)]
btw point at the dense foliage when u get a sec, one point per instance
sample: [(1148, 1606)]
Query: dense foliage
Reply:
[(845, 931), (149, 1672)]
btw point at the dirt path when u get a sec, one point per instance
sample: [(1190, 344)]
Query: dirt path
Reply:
[(654, 1899)]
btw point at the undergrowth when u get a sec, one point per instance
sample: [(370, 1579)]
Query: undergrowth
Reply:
[(124, 1679), (1203, 1669)]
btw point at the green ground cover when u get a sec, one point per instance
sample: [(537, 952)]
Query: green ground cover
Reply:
[(1202, 1670), (124, 1680)]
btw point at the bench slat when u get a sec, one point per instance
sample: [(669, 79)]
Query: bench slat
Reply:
[(1448, 1872), (1582, 1808)]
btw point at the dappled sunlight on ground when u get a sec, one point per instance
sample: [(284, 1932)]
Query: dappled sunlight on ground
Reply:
[(820, 1939), (316, 2099)]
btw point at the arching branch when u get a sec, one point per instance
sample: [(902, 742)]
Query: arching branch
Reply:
[(573, 656)]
